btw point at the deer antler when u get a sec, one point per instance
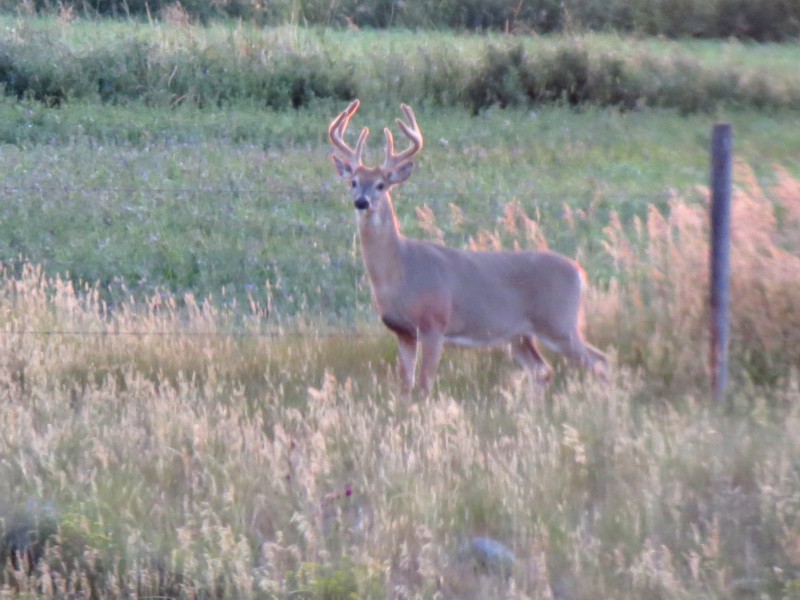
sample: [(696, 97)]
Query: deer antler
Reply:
[(336, 135), (411, 131)]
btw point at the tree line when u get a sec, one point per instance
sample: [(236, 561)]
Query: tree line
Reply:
[(766, 20)]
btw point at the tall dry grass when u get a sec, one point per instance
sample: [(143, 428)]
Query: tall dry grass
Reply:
[(655, 311), (174, 449)]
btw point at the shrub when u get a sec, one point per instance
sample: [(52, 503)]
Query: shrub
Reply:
[(29, 72), (615, 83), (567, 76), (283, 68), (503, 79), (769, 20)]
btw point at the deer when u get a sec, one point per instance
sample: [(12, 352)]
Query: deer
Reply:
[(429, 294)]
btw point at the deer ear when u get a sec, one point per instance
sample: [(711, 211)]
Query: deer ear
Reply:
[(343, 167), (400, 173)]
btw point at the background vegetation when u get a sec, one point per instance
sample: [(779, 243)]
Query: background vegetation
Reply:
[(162, 64), (767, 20), (198, 401)]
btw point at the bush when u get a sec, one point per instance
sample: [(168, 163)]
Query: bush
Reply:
[(504, 79), (283, 68), (29, 73), (573, 74), (568, 75), (135, 69)]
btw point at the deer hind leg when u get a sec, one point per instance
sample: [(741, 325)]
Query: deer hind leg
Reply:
[(582, 354), (597, 362), (528, 357)]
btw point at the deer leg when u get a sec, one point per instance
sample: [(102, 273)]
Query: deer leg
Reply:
[(528, 357), (582, 354), (595, 361), (407, 352), (432, 342)]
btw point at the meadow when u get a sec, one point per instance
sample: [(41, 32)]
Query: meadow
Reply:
[(197, 400)]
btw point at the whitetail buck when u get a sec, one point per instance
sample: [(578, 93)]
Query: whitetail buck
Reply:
[(433, 294)]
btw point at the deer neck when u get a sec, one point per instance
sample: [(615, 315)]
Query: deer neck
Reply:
[(381, 241)]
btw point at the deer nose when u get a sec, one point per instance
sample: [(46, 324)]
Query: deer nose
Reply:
[(361, 203)]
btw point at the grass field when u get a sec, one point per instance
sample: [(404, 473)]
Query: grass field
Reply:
[(198, 401), (192, 200)]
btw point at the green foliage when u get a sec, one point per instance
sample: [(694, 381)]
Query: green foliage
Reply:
[(144, 68), (767, 20), (314, 581), (28, 73), (502, 80), (217, 66), (575, 73)]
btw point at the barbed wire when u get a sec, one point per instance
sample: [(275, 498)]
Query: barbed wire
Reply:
[(638, 199), (6, 188), (272, 335), (87, 333)]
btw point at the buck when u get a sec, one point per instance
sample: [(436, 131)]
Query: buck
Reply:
[(429, 294)]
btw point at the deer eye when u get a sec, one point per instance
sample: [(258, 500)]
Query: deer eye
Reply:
[(379, 186), (353, 183)]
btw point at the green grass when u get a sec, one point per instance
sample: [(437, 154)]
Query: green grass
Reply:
[(192, 200)]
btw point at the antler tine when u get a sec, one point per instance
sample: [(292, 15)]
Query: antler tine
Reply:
[(411, 131), (336, 132), (360, 145)]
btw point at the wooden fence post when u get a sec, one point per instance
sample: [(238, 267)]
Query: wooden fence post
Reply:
[(721, 167)]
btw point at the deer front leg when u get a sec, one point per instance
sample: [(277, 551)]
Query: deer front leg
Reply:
[(432, 342), (407, 353)]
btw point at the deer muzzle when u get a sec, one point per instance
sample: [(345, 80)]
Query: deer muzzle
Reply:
[(361, 203)]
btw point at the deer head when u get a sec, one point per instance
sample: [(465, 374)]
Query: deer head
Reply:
[(370, 185)]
